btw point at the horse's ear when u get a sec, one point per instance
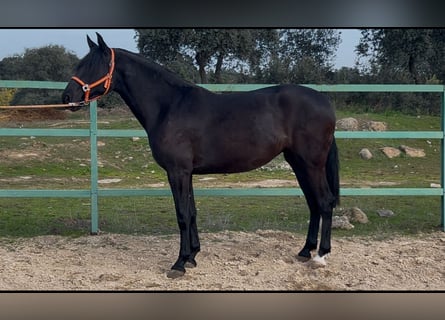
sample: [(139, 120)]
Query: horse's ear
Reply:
[(91, 43), (102, 43)]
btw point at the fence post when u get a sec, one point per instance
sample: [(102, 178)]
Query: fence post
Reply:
[(442, 171), (94, 169)]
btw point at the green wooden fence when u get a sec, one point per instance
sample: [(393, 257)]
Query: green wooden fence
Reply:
[(94, 192)]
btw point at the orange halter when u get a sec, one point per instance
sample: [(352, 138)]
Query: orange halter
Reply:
[(106, 80)]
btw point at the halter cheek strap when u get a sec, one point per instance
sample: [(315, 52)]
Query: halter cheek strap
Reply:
[(106, 80)]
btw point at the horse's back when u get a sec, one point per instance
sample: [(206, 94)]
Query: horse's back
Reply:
[(303, 99), (285, 98), (295, 107)]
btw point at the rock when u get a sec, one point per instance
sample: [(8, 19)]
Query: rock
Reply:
[(365, 154), (100, 143), (341, 222), (385, 213), (412, 152), (377, 126), (348, 124), (435, 185), (355, 215), (207, 179), (134, 139), (109, 180), (390, 152)]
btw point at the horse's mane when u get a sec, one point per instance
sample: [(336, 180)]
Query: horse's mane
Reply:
[(158, 69)]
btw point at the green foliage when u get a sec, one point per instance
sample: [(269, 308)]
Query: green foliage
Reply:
[(183, 49), (50, 63), (298, 56), (265, 55), (36, 96), (305, 56), (6, 95), (403, 56), (10, 68), (111, 100)]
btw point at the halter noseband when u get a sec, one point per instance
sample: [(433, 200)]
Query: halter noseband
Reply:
[(106, 80)]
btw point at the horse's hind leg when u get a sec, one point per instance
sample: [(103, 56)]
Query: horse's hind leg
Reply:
[(314, 222), (312, 179), (320, 201)]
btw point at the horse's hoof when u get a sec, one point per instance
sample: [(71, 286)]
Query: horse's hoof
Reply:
[(173, 274), (190, 264), (303, 259), (304, 255), (318, 262)]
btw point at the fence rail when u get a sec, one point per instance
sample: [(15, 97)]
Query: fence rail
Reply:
[(94, 192)]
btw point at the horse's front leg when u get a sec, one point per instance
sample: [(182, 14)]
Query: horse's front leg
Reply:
[(194, 238), (182, 194)]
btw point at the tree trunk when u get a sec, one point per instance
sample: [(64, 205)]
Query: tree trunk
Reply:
[(201, 61), (412, 69), (202, 73), (218, 67)]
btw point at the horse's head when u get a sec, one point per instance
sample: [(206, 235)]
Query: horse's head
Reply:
[(93, 75)]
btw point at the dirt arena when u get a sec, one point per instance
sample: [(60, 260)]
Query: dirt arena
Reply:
[(264, 260)]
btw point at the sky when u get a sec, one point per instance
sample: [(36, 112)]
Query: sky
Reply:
[(15, 41)]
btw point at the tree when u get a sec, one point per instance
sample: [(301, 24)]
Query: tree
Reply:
[(208, 49), (405, 56), (10, 67), (300, 56), (266, 55), (50, 63), (437, 55), (317, 44)]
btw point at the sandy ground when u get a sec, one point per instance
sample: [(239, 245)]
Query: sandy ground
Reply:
[(264, 260)]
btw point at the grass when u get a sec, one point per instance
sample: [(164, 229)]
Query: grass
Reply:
[(62, 163), (155, 215)]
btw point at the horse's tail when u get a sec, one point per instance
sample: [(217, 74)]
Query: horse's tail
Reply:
[(332, 172)]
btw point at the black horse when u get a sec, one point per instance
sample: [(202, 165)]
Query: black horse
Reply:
[(194, 131)]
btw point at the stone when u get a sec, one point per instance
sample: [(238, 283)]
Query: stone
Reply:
[(106, 181), (355, 214), (341, 222), (412, 152), (390, 152), (365, 154), (100, 143), (134, 139), (385, 213), (207, 179), (377, 126), (347, 124)]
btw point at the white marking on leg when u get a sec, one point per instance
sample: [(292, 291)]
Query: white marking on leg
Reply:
[(319, 262)]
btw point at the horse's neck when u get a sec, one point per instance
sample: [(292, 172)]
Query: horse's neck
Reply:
[(138, 86)]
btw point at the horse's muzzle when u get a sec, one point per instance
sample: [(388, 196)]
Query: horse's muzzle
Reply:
[(66, 98)]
